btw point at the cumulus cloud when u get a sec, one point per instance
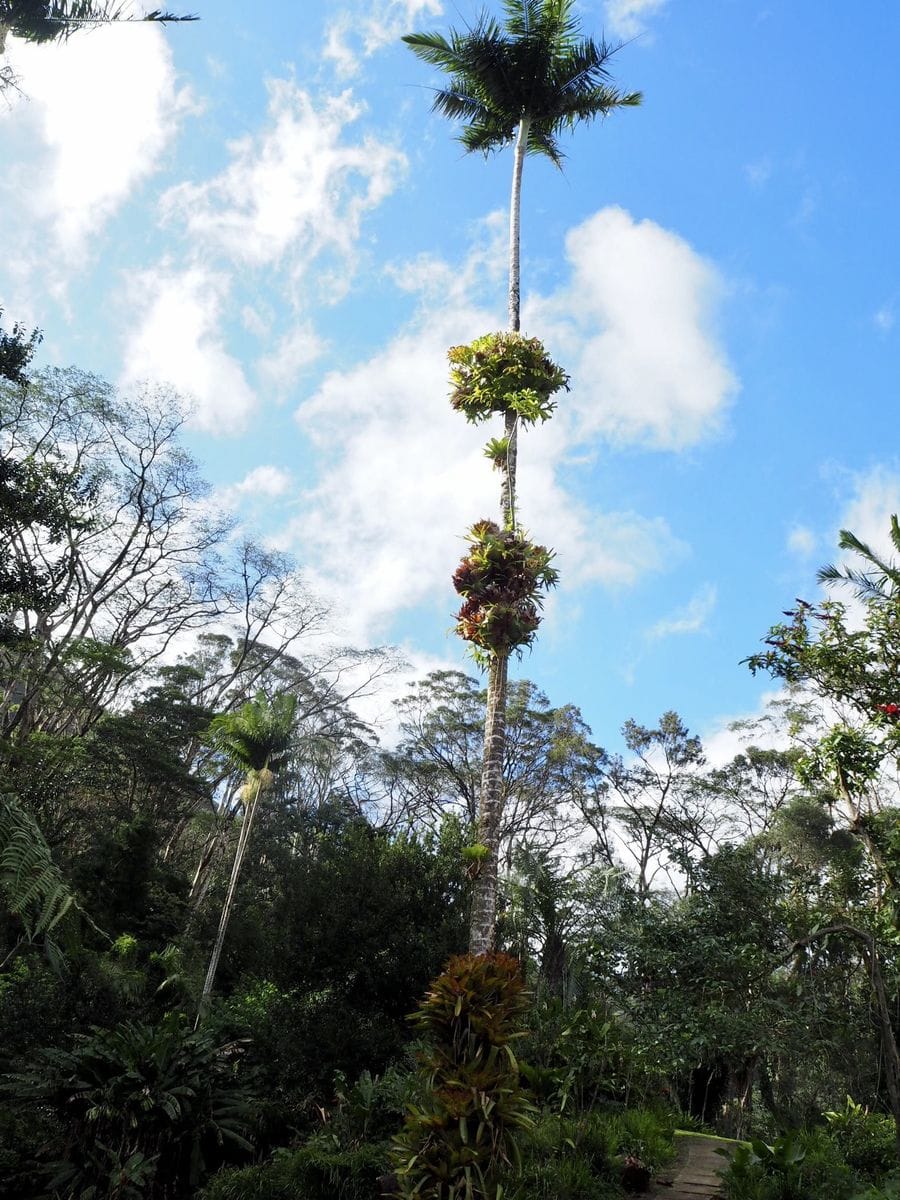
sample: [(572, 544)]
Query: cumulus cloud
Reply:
[(265, 480), (691, 618), (405, 475), (294, 193), (636, 323), (628, 18), (177, 340), (874, 498), (97, 114), (296, 187), (292, 353), (357, 34)]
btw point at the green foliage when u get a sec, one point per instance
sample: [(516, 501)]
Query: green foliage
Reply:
[(258, 736), (582, 1157), (868, 1141), (454, 1145), (501, 373), (887, 1189), (804, 1165), (502, 580), (56, 20), (31, 885), (845, 757), (497, 450), (575, 1056), (313, 1172), (16, 352), (535, 66), (145, 1110), (370, 1109)]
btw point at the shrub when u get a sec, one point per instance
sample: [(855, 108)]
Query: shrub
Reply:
[(454, 1145), (868, 1141), (145, 1110), (311, 1173), (800, 1166), (887, 1189)]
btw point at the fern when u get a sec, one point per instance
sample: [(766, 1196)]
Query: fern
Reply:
[(32, 887)]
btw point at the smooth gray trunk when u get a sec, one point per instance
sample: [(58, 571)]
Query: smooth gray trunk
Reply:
[(484, 900), (246, 830), (490, 813)]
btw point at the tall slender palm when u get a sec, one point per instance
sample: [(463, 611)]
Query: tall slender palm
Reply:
[(255, 740), (523, 81)]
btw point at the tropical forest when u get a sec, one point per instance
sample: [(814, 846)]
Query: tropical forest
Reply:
[(354, 842)]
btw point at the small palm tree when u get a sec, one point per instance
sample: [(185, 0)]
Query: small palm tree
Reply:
[(523, 81), (255, 740)]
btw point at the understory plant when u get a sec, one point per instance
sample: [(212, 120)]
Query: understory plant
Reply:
[(455, 1144), (145, 1111), (802, 1165)]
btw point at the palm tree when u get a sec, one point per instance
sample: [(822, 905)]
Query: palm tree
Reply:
[(255, 740), (523, 81), (880, 580), (56, 20)]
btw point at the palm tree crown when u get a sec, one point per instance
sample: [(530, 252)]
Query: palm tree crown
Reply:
[(534, 67), (258, 735)]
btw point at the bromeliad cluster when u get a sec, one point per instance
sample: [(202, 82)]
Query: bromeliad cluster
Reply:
[(502, 579), (504, 373)]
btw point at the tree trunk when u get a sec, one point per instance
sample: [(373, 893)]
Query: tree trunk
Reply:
[(246, 830), (515, 208), (484, 900), (508, 481)]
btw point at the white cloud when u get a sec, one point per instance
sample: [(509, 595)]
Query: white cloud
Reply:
[(99, 112), (405, 476), (265, 480), (355, 35), (177, 340), (802, 541), (874, 499), (628, 18), (766, 728), (636, 324), (299, 347), (691, 618), (297, 188)]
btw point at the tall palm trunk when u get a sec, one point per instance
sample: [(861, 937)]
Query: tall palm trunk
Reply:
[(484, 901), (246, 830)]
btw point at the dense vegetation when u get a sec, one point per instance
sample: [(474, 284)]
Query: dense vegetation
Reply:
[(702, 946), (221, 897)]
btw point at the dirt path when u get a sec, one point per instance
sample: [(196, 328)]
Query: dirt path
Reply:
[(695, 1173)]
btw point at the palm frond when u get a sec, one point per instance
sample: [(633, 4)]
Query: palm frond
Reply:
[(880, 581), (258, 735), (535, 66), (57, 20)]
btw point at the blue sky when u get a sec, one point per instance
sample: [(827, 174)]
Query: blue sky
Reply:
[(260, 209)]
